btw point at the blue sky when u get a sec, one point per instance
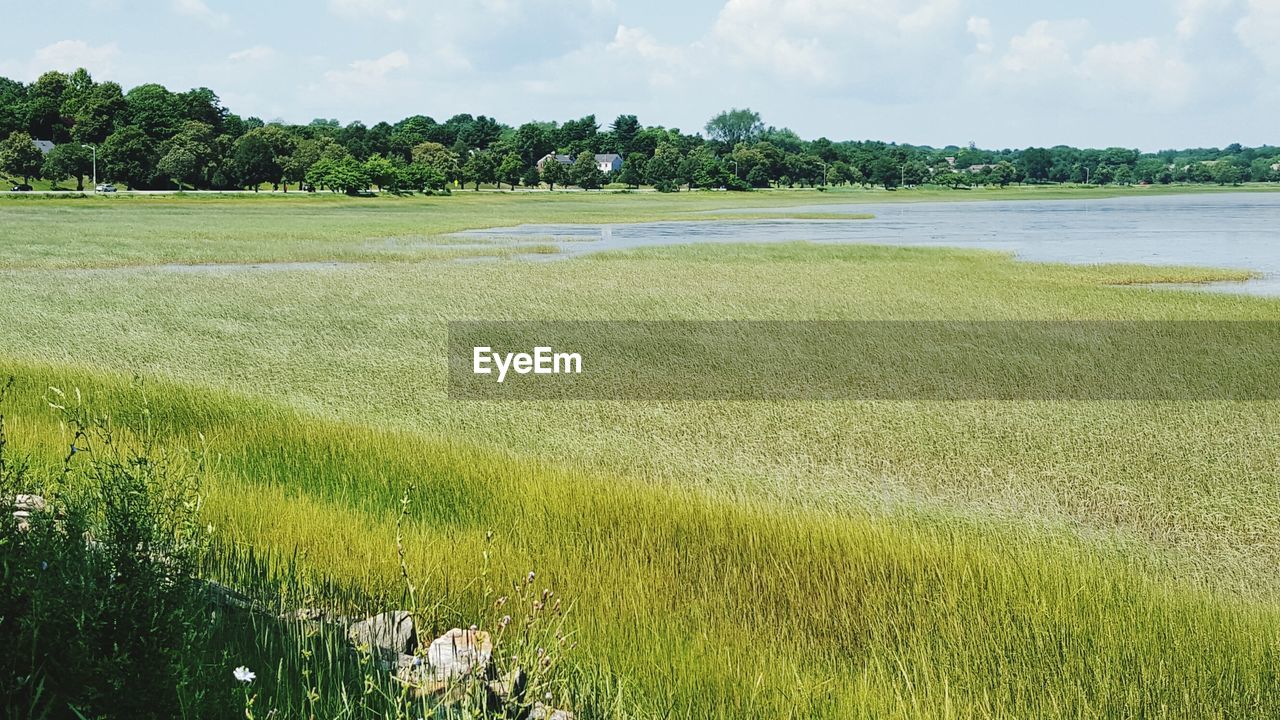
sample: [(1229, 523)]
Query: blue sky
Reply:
[(1135, 73)]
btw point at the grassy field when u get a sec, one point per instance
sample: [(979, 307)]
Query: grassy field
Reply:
[(785, 559)]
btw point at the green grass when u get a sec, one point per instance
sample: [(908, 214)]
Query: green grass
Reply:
[(837, 559)]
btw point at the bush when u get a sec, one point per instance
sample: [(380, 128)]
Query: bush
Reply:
[(98, 604)]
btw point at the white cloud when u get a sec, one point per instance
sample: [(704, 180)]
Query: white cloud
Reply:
[(198, 10), (367, 76), (1259, 31), (1140, 69), (837, 42), (255, 54), (980, 29), (1194, 15), (393, 10), (1059, 62), (68, 55)]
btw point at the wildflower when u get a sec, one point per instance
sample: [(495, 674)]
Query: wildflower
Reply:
[(500, 602), (474, 628), (243, 674), (531, 577), (44, 565)]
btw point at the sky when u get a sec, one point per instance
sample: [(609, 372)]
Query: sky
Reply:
[(1145, 74)]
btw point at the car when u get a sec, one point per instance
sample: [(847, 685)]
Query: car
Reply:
[(20, 188), (105, 187)]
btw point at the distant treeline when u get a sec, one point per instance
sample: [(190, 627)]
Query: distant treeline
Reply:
[(152, 138)]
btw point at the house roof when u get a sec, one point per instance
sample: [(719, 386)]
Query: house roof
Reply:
[(45, 145)]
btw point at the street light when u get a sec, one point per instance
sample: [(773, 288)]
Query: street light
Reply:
[(95, 165), (903, 179), (824, 172)]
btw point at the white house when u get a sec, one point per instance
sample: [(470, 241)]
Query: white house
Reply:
[(607, 162)]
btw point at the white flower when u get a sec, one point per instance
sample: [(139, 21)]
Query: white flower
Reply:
[(243, 674)]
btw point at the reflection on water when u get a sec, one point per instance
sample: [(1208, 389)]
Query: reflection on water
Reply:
[(1227, 230)]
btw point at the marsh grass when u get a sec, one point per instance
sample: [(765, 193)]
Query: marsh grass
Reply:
[(817, 559), (693, 606)]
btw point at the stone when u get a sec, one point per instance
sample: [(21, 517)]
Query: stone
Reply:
[(390, 634), (450, 661), (23, 506), (29, 503), (542, 712), (459, 653)]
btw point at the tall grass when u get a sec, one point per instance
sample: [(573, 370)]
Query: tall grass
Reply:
[(688, 606)]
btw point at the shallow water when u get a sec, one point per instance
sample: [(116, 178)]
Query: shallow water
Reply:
[(1224, 230)]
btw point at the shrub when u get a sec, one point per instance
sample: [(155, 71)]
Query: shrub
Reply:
[(98, 601)]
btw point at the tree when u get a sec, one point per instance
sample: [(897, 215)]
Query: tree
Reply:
[(381, 171), (625, 129), (129, 156), (479, 168), (254, 162), (662, 170), (187, 156), (1036, 163), (1225, 172), (179, 164), (346, 175), (19, 156), (585, 173), (531, 178), (510, 170), (153, 110), (1003, 173), (734, 126), (632, 173), (437, 157), (554, 173), (68, 160)]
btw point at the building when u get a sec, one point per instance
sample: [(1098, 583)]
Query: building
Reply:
[(45, 146), (608, 162)]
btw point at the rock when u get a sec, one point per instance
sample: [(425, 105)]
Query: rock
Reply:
[(542, 712), (29, 503), (452, 659), (390, 634), (223, 596), (509, 689), (459, 653), (23, 506)]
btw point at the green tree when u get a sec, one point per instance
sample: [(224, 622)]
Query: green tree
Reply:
[(632, 173), (734, 126), (1226, 172), (187, 156), (510, 170), (625, 128), (1036, 164), (102, 111), (585, 173), (531, 178), (68, 160), (19, 156), (437, 157), (554, 173), (1003, 173), (128, 156), (479, 168), (254, 162), (381, 171), (153, 110)]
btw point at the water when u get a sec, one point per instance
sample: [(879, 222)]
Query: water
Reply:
[(1224, 230)]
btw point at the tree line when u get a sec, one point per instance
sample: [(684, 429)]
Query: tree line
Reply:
[(153, 138)]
